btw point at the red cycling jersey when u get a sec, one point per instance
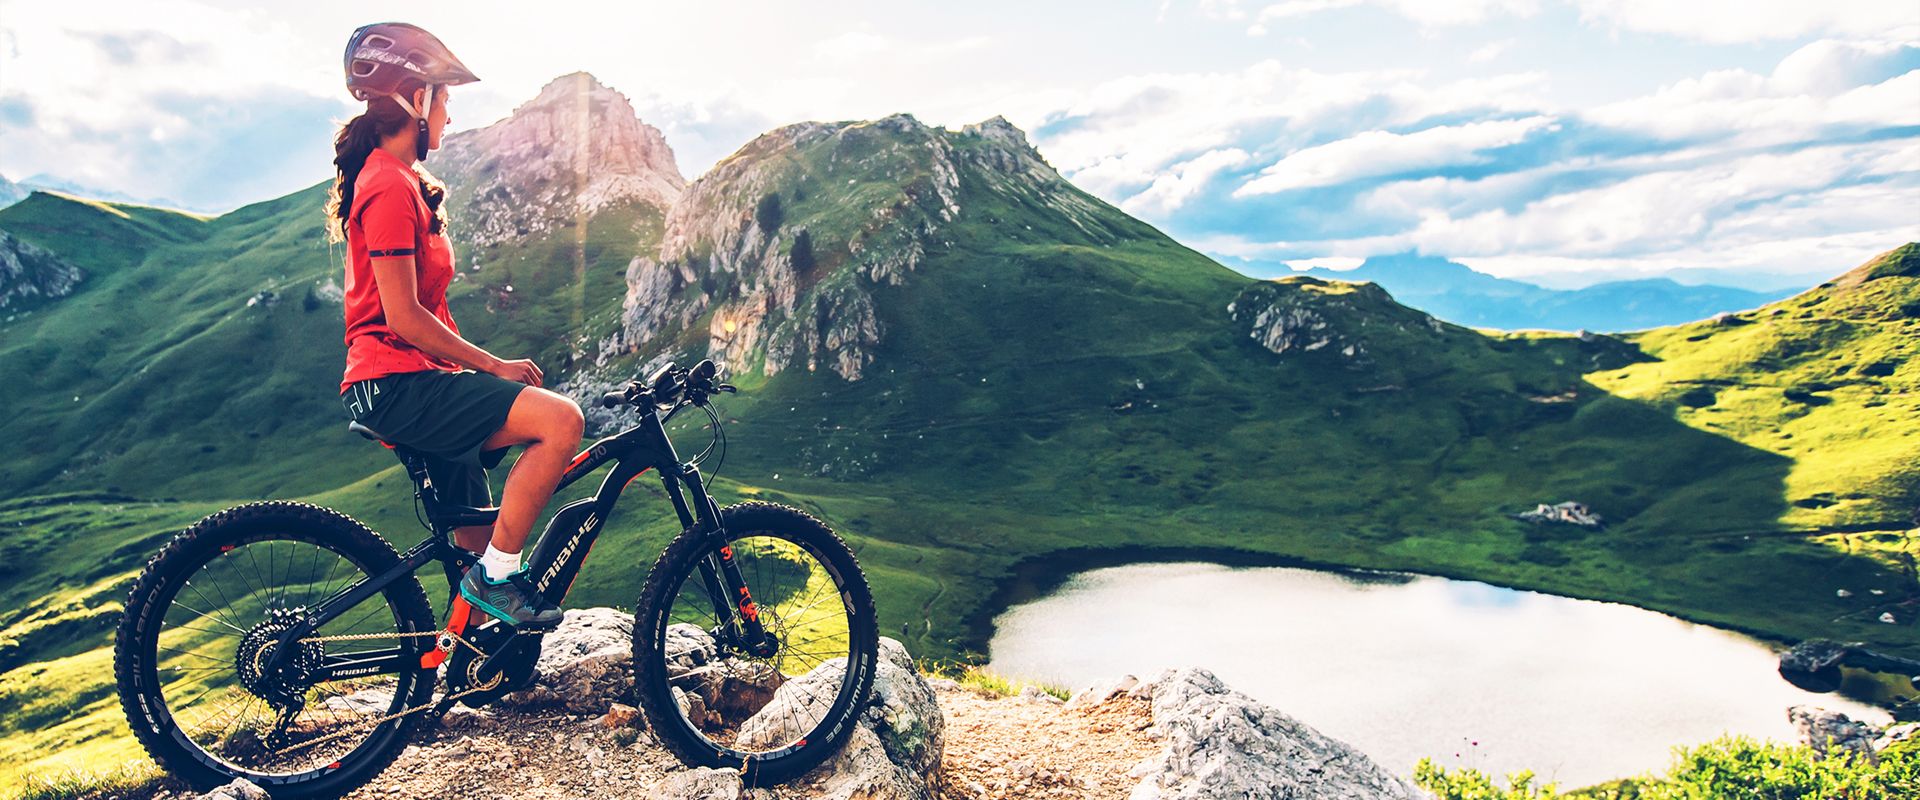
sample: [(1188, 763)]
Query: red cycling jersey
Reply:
[(390, 217)]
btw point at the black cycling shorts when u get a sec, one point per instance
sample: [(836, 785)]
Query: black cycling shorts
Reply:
[(445, 415)]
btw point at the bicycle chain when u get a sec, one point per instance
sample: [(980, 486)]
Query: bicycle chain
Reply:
[(382, 720)]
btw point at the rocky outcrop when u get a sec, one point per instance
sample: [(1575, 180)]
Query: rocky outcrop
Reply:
[(1223, 744), (1305, 315), (585, 664), (238, 789), (571, 151), (1829, 732), (779, 247), (29, 273), (1814, 664), (701, 783), (893, 754), (1566, 513)]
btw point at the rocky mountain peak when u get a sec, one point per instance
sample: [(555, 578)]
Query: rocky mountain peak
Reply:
[(575, 148), (786, 238)]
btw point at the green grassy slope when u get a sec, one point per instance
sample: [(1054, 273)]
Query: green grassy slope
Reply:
[(1045, 389), (157, 378), (1824, 379)]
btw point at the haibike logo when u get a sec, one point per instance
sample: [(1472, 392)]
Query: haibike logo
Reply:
[(348, 673), (567, 553)]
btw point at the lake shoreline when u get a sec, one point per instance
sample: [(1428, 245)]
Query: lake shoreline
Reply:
[(1037, 575), (1414, 666)]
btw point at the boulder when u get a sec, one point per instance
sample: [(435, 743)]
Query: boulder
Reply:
[(239, 789), (1035, 694), (1223, 744), (585, 664), (893, 753), (1814, 655), (1103, 691), (702, 783), (1831, 731), (1895, 734)]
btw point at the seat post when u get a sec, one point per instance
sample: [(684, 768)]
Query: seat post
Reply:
[(423, 487)]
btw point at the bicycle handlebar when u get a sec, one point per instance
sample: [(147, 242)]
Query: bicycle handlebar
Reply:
[(670, 386)]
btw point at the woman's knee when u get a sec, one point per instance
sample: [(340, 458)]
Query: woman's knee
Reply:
[(559, 418), (570, 424)]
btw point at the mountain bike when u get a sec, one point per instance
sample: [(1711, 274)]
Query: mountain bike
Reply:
[(290, 645)]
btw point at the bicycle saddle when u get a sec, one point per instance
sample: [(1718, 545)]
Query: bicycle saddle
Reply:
[(367, 432)]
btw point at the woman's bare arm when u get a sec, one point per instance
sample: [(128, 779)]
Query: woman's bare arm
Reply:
[(399, 299)]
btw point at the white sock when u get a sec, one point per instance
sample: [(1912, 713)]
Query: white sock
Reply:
[(499, 563)]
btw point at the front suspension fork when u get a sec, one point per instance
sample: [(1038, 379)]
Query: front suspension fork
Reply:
[(727, 589), (719, 571)]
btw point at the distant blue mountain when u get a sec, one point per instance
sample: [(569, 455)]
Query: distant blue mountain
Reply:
[(1455, 292), (14, 191)]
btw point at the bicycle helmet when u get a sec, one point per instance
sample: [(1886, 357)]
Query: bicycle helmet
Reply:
[(384, 56)]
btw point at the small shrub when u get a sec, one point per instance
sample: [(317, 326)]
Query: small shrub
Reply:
[(1697, 397), (802, 252), (1729, 767), (769, 214), (1472, 784), (992, 683)]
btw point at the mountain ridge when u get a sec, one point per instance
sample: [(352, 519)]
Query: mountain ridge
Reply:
[(1460, 294)]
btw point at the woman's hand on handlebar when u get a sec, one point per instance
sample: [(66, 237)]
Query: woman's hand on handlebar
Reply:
[(520, 370)]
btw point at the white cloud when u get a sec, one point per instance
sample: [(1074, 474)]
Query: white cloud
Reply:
[(1816, 87), (863, 46), (1733, 200), (1803, 167), (1120, 137), (1330, 262), (1754, 20), (1180, 182), (1377, 153), (1427, 13), (1489, 51), (1829, 67), (136, 100)]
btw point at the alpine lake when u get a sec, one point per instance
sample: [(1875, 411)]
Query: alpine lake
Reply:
[(1406, 667)]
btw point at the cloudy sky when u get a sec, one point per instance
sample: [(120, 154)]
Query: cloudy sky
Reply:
[(1749, 142)]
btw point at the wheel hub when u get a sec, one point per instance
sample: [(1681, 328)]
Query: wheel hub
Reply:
[(253, 661)]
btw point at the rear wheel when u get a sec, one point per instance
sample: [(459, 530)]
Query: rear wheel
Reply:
[(194, 654), (778, 712)]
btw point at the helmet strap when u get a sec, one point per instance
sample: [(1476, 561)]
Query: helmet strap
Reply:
[(420, 120), (420, 141)]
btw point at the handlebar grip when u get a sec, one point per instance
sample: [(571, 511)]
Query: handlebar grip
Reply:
[(613, 399)]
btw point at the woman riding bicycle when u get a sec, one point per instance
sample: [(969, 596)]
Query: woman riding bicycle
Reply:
[(409, 375)]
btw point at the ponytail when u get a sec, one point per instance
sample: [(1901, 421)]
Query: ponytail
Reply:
[(351, 146)]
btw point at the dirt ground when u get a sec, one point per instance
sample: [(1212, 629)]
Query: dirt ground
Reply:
[(995, 747)]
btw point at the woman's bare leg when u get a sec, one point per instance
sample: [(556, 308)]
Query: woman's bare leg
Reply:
[(549, 424), (473, 537)]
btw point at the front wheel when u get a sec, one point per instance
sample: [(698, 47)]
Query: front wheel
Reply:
[(713, 700)]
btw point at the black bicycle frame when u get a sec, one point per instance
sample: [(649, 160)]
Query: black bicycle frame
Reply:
[(560, 552)]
